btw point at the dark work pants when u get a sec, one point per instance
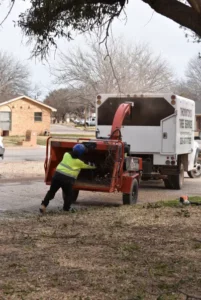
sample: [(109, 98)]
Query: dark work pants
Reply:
[(66, 184)]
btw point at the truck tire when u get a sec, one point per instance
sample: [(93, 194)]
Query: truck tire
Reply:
[(167, 184), (130, 199), (177, 181), (195, 173), (74, 198)]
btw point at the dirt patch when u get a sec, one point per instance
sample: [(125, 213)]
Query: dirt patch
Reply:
[(16, 170), (144, 252)]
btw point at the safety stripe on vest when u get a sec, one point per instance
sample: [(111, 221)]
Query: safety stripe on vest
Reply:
[(68, 175), (66, 166)]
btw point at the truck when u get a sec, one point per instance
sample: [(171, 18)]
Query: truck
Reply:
[(91, 121), (160, 130)]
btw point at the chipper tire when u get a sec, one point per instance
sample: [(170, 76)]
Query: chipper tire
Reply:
[(130, 199), (74, 198)]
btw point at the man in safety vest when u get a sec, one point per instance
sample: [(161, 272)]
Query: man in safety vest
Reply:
[(65, 175)]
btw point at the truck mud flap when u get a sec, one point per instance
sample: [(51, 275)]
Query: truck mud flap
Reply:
[(168, 171)]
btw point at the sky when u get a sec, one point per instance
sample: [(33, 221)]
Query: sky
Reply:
[(143, 26)]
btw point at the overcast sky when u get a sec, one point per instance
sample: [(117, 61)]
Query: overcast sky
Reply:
[(163, 35)]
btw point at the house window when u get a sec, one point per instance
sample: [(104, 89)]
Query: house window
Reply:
[(38, 116)]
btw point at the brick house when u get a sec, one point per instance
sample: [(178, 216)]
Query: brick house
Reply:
[(23, 113)]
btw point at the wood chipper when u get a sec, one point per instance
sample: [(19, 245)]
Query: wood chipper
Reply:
[(115, 169)]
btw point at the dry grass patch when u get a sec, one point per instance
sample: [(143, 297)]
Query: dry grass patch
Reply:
[(129, 253), (14, 170)]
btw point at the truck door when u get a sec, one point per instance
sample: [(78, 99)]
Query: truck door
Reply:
[(168, 126)]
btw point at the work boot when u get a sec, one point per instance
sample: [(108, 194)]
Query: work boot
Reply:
[(42, 209), (70, 209)]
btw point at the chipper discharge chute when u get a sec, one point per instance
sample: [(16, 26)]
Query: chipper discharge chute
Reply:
[(115, 169)]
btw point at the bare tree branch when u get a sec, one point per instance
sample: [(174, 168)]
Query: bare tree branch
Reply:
[(14, 77), (136, 70), (5, 18)]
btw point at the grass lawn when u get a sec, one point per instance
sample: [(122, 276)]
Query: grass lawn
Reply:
[(12, 141), (143, 252)]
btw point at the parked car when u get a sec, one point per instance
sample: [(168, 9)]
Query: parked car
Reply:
[(82, 122), (91, 122), (76, 121), (2, 149)]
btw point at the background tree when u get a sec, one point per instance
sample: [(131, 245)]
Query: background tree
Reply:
[(193, 75), (190, 86), (65, 102), (134, 69), (14, 77), (48, 20)]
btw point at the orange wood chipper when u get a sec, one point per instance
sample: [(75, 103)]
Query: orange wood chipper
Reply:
[(115, 169)]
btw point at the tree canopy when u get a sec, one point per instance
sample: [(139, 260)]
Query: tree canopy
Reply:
[(134, 69), (14, 77), (47, 20)]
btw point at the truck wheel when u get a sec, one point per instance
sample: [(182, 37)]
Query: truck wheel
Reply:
[(195, 173), (167, 184), (129, 199), (177, 181), (74, 198)]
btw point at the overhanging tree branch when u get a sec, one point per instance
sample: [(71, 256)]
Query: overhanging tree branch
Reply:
[(196, 5), (179, 12), (47, 20)]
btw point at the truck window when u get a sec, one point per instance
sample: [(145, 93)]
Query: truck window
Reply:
[(146, 111)]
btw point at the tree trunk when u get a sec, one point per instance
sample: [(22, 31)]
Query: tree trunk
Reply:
[(182, 14)]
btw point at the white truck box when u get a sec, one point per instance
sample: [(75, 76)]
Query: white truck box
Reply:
[(160, 130)]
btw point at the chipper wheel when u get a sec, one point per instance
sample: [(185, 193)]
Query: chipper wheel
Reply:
[(130, 199), (75, 195)]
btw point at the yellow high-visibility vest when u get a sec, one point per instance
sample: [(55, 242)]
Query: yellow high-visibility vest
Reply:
[(71, 166)]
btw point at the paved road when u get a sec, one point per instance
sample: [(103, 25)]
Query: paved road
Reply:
[(21, 154), (38, 154), (66, 129), (26, 195)]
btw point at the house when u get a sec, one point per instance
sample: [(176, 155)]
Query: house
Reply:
[(23, 113)]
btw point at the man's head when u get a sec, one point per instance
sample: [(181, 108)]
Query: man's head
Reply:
[(79, 150)]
